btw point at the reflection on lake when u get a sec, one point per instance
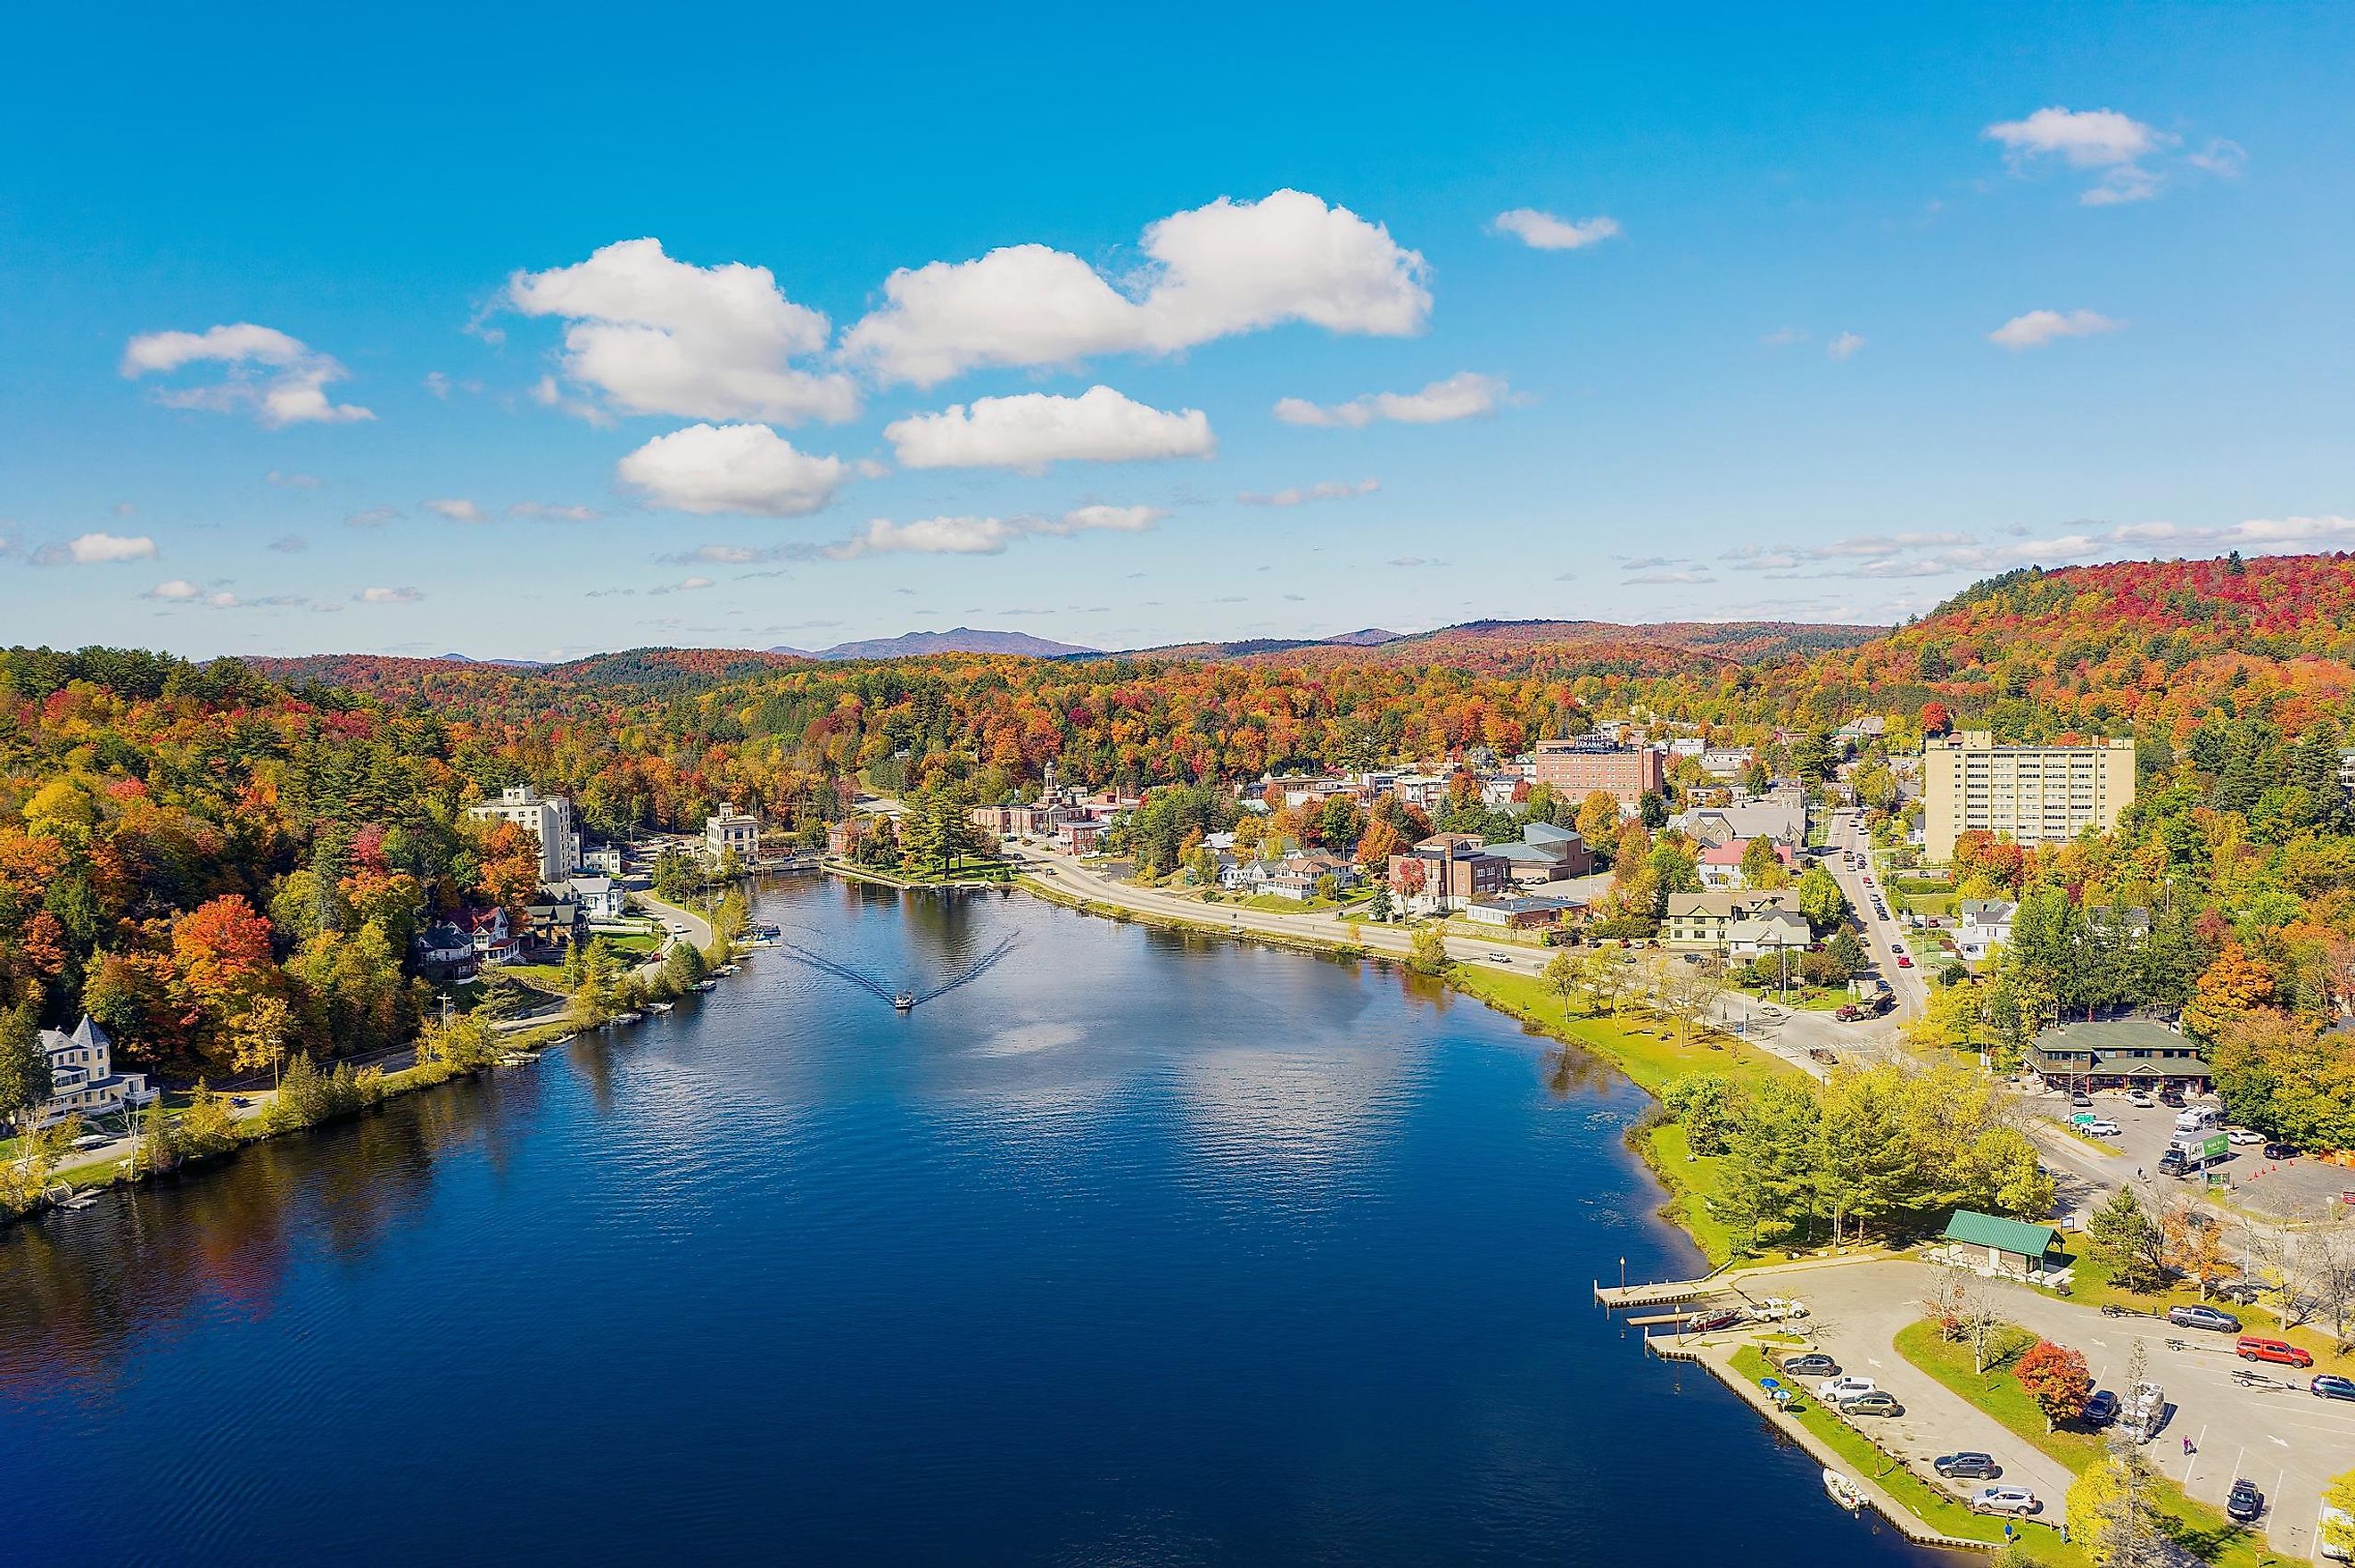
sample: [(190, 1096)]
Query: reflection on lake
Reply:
[(1142, 1248)]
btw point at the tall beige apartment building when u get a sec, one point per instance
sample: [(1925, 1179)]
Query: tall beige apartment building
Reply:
[(2030, 794)]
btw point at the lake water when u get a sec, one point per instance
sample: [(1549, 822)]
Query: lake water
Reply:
[(1140, 1249)]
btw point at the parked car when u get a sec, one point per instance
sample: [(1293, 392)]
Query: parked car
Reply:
[(2081, 1101), (1877, 1402), (2101, 1409), (2279, 1151), (1831, 1391), (2006, 1499), (1814, 1364), (2140, 1100), (2244, 1503), (2190, 1315), (2330, 1386), (2257, 1348), (2103, 1127), (1967, 1465), (2241, 1137)]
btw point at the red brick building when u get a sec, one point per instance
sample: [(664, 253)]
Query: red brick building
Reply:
[(1576, 769)]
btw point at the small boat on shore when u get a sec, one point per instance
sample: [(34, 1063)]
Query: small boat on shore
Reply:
[(1842, 1490), (660, 1006), (629, 1017), (707, 985)]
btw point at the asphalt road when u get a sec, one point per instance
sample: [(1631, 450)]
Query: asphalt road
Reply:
[(1906, 984)]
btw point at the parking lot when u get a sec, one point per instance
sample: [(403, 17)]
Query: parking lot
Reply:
[(2302, 1187), (2273, 1432)]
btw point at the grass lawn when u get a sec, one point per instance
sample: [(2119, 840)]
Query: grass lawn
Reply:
[(1647, 1052), (1937, 1506), (2200, 1529), (1272, 903), (1694, 1182)]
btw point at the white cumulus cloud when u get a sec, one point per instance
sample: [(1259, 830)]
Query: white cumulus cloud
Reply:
[(279, 378), (1544, 232), (96, 549), (551, 512), (177, 589), (732, 468), (388, 595), (1844, 345), (2091, 139), (457, 510), (1030, 430), (2037, 327), (655, 335), (1215, 270), (1460, 397)]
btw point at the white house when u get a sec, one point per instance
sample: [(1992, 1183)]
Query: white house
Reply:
[(1981, 925), (82, 1080), (549, 819), (601, 897), (1767, 932)]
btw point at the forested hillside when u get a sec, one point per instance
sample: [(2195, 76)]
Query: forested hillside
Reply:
[(178, 842)]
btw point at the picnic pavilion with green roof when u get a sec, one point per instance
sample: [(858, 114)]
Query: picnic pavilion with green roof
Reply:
[(1993, 1245)]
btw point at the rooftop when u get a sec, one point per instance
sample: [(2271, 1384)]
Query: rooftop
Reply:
[(2016, 1236)]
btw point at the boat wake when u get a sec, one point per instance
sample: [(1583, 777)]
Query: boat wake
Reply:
[(904, 998)]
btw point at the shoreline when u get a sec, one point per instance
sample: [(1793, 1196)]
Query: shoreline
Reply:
[(524, 1037)]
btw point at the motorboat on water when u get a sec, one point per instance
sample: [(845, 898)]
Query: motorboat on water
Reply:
[(707, 985), (660, 1006), (629, 1017), (904, 1002), (1842, 1490)]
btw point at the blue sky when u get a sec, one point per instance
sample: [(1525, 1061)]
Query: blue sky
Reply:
[(327, 331)]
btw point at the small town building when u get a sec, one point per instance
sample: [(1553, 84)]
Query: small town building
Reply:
[(82, 1079), (600, 898), (842, 839), (1768, 933), (2117, 1053), (1705, 922), (1447, 871), (1993, 1245), (1982, 925), (1578, 768), (1523, 912), (555, 918), (1720, 865), (729, 829), (604, 858), (444, 953), (488, 929)]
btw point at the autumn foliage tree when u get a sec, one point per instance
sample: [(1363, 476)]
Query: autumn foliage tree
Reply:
[(2056, 1378)]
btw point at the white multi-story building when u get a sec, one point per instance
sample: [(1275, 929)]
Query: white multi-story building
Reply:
[(729, 829), (548, 817), (82, 1079)]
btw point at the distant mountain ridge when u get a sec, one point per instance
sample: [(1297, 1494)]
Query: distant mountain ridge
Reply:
[(956, 640)]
